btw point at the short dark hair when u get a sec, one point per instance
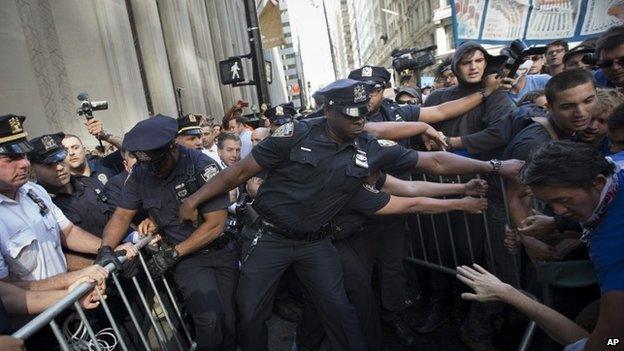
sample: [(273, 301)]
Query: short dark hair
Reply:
[(610, 39), (558, 42), (567, 80), (616, 120), (226, 136), (565, 164)]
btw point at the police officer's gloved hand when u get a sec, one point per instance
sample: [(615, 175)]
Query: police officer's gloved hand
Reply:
[(162, 260), (130, 268), (106, 255)]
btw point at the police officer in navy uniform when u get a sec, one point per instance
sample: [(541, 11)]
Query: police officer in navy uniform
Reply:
[(315, 167), (388, 234), (280, 114), (203, 261), (81, 199), (190, 132)]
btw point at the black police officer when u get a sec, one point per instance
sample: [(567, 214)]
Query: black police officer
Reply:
[(204, 263), (190, 132), (315, 167), (280, 115)]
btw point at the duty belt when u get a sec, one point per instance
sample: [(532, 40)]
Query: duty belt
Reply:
[(326, 230), (217, 244)]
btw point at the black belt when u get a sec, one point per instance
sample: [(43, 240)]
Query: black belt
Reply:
[(217, 244), (325, 231)]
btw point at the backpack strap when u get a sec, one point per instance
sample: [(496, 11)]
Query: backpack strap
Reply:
[(544, 122)]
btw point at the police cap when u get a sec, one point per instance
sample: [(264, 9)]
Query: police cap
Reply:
[(151, 138), (378, 76), (12, 135), (281, 114), (581, 49), (411, 91), (347, 96), (48, 149), (190, 125)]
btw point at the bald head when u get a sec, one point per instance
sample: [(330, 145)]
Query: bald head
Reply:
[(259, 134)]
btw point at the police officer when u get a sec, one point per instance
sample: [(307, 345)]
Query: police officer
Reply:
[(203, 262), (280, 115), (190, 132), (315, 167)]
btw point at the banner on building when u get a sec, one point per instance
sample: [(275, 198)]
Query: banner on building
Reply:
[(271, 28), (534, 21)]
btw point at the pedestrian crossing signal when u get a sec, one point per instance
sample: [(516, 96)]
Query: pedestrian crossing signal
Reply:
[(231, 71)]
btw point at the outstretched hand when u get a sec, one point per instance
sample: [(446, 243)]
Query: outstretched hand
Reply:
[(486, 286)]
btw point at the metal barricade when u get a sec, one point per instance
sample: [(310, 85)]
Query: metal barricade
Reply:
[(179, 338), (444, 241)]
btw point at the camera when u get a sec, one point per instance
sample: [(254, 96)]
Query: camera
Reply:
[(413, 59), (87, 106), (516, 53)]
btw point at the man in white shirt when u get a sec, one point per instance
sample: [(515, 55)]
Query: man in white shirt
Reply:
[(236, 125)]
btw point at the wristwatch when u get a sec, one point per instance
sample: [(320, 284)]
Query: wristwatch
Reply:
[(482, 92), (174, 253), (496, 165)]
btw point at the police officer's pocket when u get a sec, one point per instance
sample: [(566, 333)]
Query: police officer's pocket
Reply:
[(306, 158), (354, 172), (155, 209), (22, 248)]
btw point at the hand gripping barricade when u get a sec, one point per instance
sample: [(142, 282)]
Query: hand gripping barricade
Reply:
[(444, 241), (170, 338)]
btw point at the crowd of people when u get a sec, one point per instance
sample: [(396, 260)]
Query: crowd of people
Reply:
[(515, 174)]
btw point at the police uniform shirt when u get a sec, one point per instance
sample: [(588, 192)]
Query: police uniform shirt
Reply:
[(104, 168), (31, 241), (161, 197), (390, 111), (87, 207), (310, 177)]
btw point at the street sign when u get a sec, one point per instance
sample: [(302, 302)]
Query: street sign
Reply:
[(231, 71)]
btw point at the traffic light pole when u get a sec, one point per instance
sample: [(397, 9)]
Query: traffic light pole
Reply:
[(257, 58)]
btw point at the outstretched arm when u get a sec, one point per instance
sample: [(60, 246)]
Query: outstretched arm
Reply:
[(399, 187), (446, 163), (398, 205)]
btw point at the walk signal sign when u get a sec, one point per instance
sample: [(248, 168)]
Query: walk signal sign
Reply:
[(231, 71)]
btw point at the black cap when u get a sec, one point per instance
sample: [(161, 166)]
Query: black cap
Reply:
[(378, 76), (12, 135), (581, 49), (48, 149), (281, 114), (348, 96), (189, 125), (411, 91), (153, 134)]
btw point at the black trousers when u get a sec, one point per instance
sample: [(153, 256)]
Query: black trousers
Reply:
[(317, 266), (357, 279), (208, 282)]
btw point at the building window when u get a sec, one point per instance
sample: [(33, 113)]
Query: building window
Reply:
[(448, 32)]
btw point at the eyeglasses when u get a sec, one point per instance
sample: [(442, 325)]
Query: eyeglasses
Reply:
[(609, 63)]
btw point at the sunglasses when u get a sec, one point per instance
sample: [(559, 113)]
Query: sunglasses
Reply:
[(609, 63)]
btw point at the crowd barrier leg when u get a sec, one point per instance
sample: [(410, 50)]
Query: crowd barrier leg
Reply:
[(160, 335), (488, 240), (435, 233), (111, 319), (59, 336), (510, 223), (87, 325), (174, 303), (450, 232), (174, 330), (135, 321), (422, 238), (467, 227)]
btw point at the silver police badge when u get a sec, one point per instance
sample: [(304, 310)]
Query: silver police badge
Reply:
[(285, 130), (359, 93), (279, 111), (210, 172), (370, 188), (386, 142), (48, 142), (102, 178), (367, 71)]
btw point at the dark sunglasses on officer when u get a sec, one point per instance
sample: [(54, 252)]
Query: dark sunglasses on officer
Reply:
[(156, 158), (605, 64)]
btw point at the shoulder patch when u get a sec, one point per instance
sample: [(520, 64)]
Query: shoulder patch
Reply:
[(386, 142), (102, 178), (285, 130), (209, 172), (370, 188)]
